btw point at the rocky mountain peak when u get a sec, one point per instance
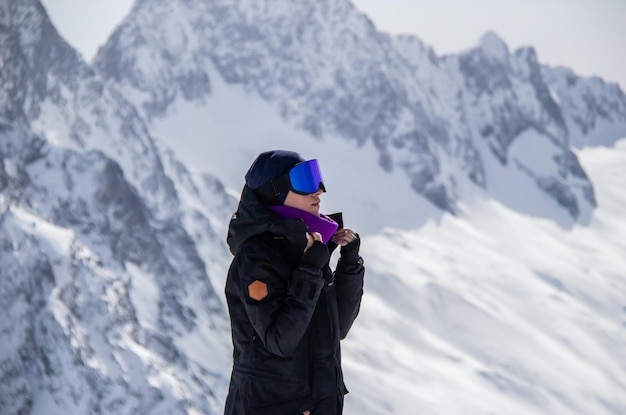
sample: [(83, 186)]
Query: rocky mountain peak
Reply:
[(493, 46), (33, 57)]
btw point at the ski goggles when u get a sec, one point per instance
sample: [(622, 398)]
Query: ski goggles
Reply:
[(306, 177), (303, 178)]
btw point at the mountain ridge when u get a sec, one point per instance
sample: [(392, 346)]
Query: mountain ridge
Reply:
[(352, 82)]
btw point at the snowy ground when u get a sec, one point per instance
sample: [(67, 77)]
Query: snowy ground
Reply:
[(496, 312)]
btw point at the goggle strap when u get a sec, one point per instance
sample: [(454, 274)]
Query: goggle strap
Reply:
[(274, 187)]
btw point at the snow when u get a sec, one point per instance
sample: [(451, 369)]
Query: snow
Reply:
[(494, 47), (56, 241), (143, 291), (535, 153), (496, 312), (509, 183)]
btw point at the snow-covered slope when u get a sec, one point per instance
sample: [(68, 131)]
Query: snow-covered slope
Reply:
[(105, 309), (494, 249), (497, 312)]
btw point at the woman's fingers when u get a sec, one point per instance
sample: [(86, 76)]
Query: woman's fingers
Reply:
[(311, 238), (344, 236)]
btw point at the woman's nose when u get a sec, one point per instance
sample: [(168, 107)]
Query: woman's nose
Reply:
[(319, 191)]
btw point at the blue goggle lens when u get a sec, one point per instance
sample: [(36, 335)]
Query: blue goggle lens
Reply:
[(306, 177)]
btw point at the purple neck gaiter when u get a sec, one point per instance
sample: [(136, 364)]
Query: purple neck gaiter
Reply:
[(322, 224)]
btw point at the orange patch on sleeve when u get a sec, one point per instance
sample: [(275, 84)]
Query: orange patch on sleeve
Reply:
[(257, 290)]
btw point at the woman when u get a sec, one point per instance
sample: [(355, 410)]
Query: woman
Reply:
[(288, 309)]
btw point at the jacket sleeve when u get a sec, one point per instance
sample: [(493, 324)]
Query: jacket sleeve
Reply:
[(278, 299), (349, 286)]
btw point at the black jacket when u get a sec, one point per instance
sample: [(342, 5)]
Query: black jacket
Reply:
[(288, 312)]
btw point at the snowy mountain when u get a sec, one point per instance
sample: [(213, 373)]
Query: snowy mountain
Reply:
[(326, 70), (107, 246), (492, 222)]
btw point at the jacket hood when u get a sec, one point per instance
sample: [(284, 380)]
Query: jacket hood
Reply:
[(253, 218)]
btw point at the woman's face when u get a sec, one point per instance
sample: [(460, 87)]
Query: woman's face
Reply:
[(309, 203)]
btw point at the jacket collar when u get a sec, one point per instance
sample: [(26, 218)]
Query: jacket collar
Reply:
[(252, 218)]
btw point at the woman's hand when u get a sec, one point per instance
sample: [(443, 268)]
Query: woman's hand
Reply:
[(344, 236), (311, 238), (315, 253)]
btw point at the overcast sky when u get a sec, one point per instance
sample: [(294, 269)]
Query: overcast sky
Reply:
[(585, 35)]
